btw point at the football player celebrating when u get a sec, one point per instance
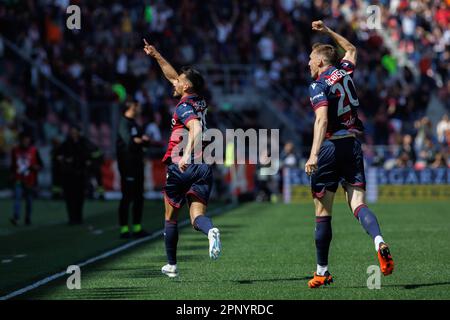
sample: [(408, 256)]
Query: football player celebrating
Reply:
[(188, 177), (336, 154)]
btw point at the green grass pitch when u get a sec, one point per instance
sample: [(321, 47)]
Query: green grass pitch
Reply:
[(268, 253)]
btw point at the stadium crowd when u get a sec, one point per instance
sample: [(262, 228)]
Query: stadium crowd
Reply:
[(104, 62)]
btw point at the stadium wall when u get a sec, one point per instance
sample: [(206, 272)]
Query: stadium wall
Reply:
[(400, 184)]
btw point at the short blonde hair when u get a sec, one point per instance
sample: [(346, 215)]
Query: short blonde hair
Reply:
[(327, 51)]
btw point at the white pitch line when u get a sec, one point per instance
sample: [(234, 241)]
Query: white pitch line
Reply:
[(107, 254)]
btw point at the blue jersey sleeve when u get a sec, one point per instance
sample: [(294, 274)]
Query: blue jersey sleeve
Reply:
[(186, 113), (347, 66), (318, 96)]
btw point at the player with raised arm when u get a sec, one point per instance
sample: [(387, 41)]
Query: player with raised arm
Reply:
[(188, 178), (336, 154)]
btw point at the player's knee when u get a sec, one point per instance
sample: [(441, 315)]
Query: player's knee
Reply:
[(356, 203), (323, 208), (193, 217), (169, 214), (194, 226), (357, 208), (355, 200), (323, 212)]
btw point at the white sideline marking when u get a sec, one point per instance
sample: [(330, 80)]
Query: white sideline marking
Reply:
[(6, 260), (107, 254)]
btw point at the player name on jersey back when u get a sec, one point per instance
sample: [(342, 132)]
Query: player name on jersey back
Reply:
[(335, 76)]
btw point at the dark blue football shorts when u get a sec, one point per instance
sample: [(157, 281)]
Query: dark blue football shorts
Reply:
[(195, 181), (339, 161)]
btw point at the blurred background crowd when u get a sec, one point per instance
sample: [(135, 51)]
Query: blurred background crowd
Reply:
[(48, 71)]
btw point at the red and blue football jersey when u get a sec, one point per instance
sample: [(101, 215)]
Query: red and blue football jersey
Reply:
[(334, 88), (189, 108)]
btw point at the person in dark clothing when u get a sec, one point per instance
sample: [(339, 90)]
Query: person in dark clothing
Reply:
[(130, 157), (95, 171), (74, 160), (55, 169)]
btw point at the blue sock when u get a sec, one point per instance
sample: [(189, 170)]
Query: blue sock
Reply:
[(323, 239), (368, 220), (171, 240), (203, 224)]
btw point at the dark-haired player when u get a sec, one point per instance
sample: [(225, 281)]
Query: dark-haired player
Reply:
[(336, 154), (188, 178)]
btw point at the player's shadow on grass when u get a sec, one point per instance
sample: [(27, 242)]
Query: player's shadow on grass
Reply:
[(199, 237), (195, 238), (244, 281), (418, 285), (162, 259), (149, 272), (230, 226), (194, 247), (109, 293), (409, 286)]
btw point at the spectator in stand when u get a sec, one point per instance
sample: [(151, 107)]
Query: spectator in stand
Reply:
[(403, 161), (424, 129), (289, 159), (152, 130), (408, 148), (427, 153), (266, 47), (264, 34), (443, 130), (288, 156), (440, 161), (224, 28)]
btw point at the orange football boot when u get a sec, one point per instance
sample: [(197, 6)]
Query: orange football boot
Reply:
[(385, 259), (318, 281)]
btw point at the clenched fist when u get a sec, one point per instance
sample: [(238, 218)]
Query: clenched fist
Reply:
[(319, 26)]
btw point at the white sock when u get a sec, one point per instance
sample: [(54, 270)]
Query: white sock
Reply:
[(321, 270), (377, 241)]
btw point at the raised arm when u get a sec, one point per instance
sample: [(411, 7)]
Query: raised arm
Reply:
[(350, 49), (167, 69)]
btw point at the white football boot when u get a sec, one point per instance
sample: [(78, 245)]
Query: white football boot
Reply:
[(170, 270), (215, 246)]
